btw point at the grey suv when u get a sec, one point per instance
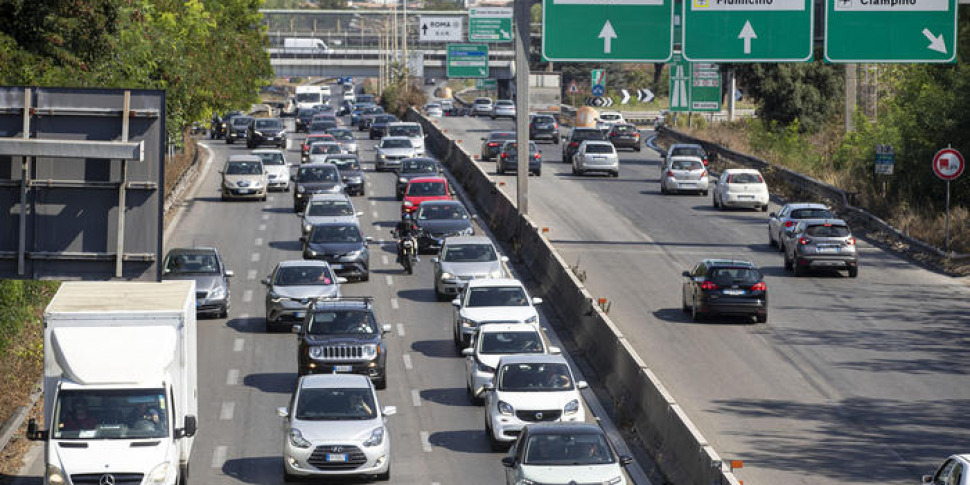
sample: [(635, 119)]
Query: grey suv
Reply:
[(292, 286), (821, 244)]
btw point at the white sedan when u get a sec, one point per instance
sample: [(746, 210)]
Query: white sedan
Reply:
[(741, 187)]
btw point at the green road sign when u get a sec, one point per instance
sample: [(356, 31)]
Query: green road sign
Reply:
[(467, 60), (860, 31), (486, 84), (607, 30), (490, 24), (694, 86), (750, 30), (679, 84)]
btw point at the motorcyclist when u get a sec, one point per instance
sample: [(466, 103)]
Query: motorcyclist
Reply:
[(405, 229)]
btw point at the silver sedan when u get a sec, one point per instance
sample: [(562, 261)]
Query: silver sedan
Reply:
[(684, 174), (596, 156)]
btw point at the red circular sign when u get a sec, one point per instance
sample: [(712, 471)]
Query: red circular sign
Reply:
[(948, 164)]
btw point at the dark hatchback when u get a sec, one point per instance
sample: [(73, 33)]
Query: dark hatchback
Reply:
[(303, 117), (544, 127), (724, 287), (350, 172), (367, 117), (625, 135), (205, 267), (342, 245), (576, 138), (492, 145), (342, 336), (378, 127), (315, 178), (321, 126), (412, 168), (438, 219), (266, 131)]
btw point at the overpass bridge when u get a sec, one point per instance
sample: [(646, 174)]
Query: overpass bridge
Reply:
[(367, 62)]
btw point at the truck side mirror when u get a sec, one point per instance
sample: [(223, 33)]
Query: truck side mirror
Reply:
[(33, 433), (190, 426)]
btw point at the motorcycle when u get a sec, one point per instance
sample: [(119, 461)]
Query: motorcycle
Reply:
[(408, 249)]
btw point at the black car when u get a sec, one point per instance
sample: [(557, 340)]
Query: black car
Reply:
[(345, 108), (236, 128), (342, 335), (321, 126), (342, 245), (508, 158), (350, 172), (303, 117), (439, 219), (576, 137), (266, 131), (219, 124), (315, 178), (205, 267), (367, 117), (543, 127), (625, 135), (378, 125), (725, 287), (414, 167), (492, 145)]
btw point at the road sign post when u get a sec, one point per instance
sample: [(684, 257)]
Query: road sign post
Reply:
[(467, 60), (490, 24), (439, 29), (948, 164), (863, 31), (679, 84), (743, 31), (607, 30), (597, 79), (486, 84), (705, 87)]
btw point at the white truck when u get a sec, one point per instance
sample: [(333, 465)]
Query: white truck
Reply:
[(310, 95), (299, 45), (120, 383)]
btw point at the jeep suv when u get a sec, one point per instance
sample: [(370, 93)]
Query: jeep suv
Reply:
[(342, 335)]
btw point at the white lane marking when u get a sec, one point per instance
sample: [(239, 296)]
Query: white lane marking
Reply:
[(384, 259), (251, 274), (394, 303), (265, 217), (407, 361), (270, 198), (219, 456), (373, 203), (232, 377), (225, 413), (254, 258), (400, 330), (390, 281), (435, 483), (374, 214), (262, 227), (426, 442), (247, 296), (238, 344), (267, 206), (259, 242), (416, 399)]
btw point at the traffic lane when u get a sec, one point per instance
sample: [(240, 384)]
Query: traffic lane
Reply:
[(683, 229)]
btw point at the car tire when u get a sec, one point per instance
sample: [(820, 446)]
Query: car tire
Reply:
[(787, 263), (854, 272), (365, 276), (636, 148), (538, 173), (797, 268), (683, 303), (694, 314), (704, 192), (289, 477), (555, 140), (771, 240), (616, 174), (224, 197), (762, 318), (714, 198), (493, 443), (764, 208), (183, 478), (381, 383), (663, 190), (224, 313), (383, 477)]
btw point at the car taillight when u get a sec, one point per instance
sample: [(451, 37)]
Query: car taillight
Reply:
[(493, 144), (670, 173), (760, 286), (636, 135), (789, 223), (536, 156), (574, 144), (704, 174), (555, 126), (505, 155), (850, 241), (804, 240), (707, 285), (705, 162)]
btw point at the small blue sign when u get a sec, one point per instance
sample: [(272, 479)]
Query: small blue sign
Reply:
[(599, 90)]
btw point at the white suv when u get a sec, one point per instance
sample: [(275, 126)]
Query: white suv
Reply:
[(335, 427), (530, 389), (607, 119), (482, 107), (492, 301), (493, 341)]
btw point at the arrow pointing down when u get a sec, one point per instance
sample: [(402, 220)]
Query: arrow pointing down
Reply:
[(936, 43), (607, 34), (747, 33), (504, 34)]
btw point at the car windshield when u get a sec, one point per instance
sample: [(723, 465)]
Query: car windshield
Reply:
[(567, 450), (624, 129), (686, 165), (811, 214), (269, 125), (110, 414), (688, 151), (241, 121), (341, 134), (271, 158), (322, 125), (483, 101), (827, 230), (734, 276), (511, 343), (543, 119), (329, 208), (347, 233), (342, 322), (335, 404), (489, 296), (192, 263), (396, 143), (306, 113), (609, 117), (433, 106), (244, 168), (318, 138), (469, 253), (308, 97), (534, 377), (501, 136), (442, 212), (324, 149), (511, 147), (345, 163), (427, 189), (365, 98), (505, 103), (580, 135), (323, 173), (371, 110), (597, 148), (385, 119), (409, 131), (745, 178), (303, 276), (418, 166)]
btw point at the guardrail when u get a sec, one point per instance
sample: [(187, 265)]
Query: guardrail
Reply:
[(639, 398)]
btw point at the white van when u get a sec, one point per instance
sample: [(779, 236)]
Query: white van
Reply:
[(296, 45)]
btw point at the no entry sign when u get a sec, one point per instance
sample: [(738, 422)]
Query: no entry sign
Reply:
[(948, 164)]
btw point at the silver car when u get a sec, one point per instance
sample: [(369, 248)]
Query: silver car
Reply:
[(784, 221), (292, 286), (433, 110), (324, 208), (821, 244), (391, 150), (277, 170), (336, 428), (491, 342), (345, 138), (244, 177), (462, 259), (596, 156), (503, 108), (205, 267), (684, 174), (319, 151), (482, 107), (410, 130)]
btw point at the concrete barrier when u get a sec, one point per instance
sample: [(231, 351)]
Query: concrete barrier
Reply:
[(643, 406)]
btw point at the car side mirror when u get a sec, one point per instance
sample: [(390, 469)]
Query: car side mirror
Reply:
[(488, 386), (504, 259), (341, 280), (686, 274), (555, 350), (456, 302), (265, 281), (230, 273), (368, 239), (435, 260), (536, 301), (386, 328), (468, 352), (772, 215), (302, 239), (389, 410), (358, 214), (190, 426), (33, 433), (508, 461), (282, 412), (582, 385), (297, 328), (626, 460), (483, 138)]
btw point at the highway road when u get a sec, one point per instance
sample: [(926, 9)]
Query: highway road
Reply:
[(851, 381)]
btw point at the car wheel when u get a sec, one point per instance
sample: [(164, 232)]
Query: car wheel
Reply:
[(683, 303), (538, 173), (616, 174), (854, 272), (764, 208), (365, 276), (289, 477), (704, 192), (224, 197), (714, 198), (762, 318), (787, 263), (637, 148), (493, 443), (771, 240), (381, 383), (694, 314), (555, 140), (798, 269), (225, 312), (383, 477)]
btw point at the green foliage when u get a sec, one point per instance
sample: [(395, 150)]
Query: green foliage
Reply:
[(401, 95), (776, 141), (810, 93), (19, 301)]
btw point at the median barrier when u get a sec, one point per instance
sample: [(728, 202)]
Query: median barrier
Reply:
[(643, 406)]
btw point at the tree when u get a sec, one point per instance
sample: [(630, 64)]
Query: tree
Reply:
[(810, 93)]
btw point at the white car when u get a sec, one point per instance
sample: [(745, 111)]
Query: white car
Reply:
[(491, 342), (530, 389), (684, 174), (391, 150), (336, 428), (319, 150), (596, 156), (277, 170), (501, 300), (564, 453), (741, 187), (503, 108), (410, 130), (349, 95), (607, 119), (954, 471), (482, 107), (433, 110)]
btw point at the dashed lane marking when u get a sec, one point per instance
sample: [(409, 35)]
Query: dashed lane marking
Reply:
[(247, 296), (259, 242), (426, 442), (238, 344), (254, 258), (400, 330), (389, 279), (219, 456), (407, 361), (232, 377), (251, 274), (225, 414), (416, 399)]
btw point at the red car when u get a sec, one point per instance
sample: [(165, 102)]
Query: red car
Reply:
[(305, 149), (423, 189)]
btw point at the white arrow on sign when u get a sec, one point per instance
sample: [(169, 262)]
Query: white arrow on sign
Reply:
[(645, 95), (936, 43), (747, 33), (504, 34), (626, 96), (607, 34)]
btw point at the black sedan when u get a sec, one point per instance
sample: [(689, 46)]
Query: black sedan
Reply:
[(725, 287), (414, 167), (378, 127), (625, 135), (342, 245), (492, 145), (438, 219)]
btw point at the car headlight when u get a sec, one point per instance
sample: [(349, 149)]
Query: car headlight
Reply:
[(408, 203), (275, 298), (160, 473), (613, 481), (376, 437), (312, 253), (468, 232), (306, 228), (54, 475), (257, 185), (505, 408), (381, 156), (531, 319), (218, 292), (402, 180), (335, 189), (258, 133), (353, 254), (297, 439), (447, 276), (316, 351), (467, 322), (301, 189), (370, 351), (571, 407), (496, 273)]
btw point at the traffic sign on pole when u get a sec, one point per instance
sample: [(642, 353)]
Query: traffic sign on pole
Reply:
[(597, 79), (705, 87), (679, 84), (486, 83), (861, 31), (948, 164), (439, 29), (750, 30), (607, 30), (467, 60), (490, 24)]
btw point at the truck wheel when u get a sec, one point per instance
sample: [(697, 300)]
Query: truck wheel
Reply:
[(183, 474)]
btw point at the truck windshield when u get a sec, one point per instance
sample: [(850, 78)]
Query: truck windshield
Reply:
[(111, 414), (308, 97)]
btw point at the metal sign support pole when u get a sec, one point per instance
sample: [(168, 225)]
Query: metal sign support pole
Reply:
[(946, 227), (522, 27), (24, 185), (122, 188)]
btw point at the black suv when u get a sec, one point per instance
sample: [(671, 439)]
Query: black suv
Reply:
[(576, 138), (492, 145), (342, 335), (412, 168), (544, 126), (303, 118), (236, 128), (716, 286), (266, 131), (378, 126)]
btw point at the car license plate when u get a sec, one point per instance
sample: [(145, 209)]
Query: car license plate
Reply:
[(244, 191), (826, 249), (745, 196), (336, 457), (733, 292), (343, 368), (336, 266)]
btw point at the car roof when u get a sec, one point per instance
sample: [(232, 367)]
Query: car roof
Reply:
[(822, 222), (586, 128), (732, 263), (686, 157), (685, 145), (597, 142), (318, 164), (196, 250), (505, 327), (427, 179), (442, 202), (465, 239), (323, 381), (501, 133), (806, 205), (493, 282), (316, 197), (396, 138), (302, 262), (742, 170), (266, 150), (610, 113), (532, 359), (403, 123), (244, 158), (563, 427), (427, 159)]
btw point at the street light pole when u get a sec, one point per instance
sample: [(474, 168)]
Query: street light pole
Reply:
[(522, 29)]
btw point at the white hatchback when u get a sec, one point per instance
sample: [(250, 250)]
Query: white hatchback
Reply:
[(277, 170), (684, 174), (500, 300), (493, 341), (741, 187)]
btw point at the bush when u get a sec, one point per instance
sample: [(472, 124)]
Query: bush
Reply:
[(398, 97), (19, 300)]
